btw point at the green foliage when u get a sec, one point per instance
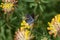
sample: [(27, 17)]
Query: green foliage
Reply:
[(46, 9)]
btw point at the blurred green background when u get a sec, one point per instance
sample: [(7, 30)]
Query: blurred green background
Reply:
[(46, 9)]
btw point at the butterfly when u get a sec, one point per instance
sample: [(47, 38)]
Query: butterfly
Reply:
[(25, 34), (29, 19)]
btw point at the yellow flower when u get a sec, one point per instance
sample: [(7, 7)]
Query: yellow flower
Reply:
[(27, 34), (7, 6), (54, 25), (25, 24), (24, 28)]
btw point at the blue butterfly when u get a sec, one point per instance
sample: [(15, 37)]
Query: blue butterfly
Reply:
[(29, 19)]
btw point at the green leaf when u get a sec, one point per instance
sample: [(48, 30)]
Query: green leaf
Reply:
[(46, 1), (28, 0), (2, 22), (2, 32), (32, 4), (42, 8), (12, 19)]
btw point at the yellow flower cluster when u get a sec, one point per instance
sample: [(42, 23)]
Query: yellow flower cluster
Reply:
[(25, 25), (27, 33), (7, 6), (54, 26)]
